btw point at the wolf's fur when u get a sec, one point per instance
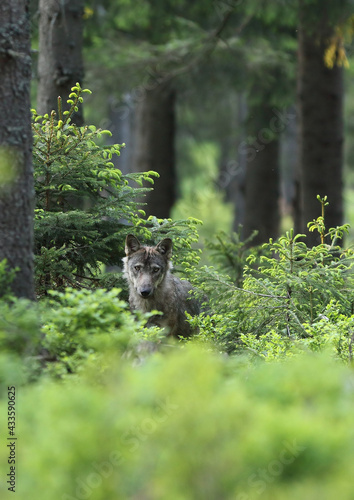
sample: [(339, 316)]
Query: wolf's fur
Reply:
[(153, 287)]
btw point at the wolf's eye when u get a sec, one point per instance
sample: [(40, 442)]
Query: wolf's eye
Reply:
[(137, 268), (155, 269)]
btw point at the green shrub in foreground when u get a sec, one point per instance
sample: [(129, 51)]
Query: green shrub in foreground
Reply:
[(190, 425), (67, 330), (80, 325)]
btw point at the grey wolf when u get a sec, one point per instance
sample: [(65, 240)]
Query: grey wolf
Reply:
[(152, 286)]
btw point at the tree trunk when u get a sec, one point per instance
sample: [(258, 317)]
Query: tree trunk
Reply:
[(60, 64), (120, 124), (16, 175), (240, 168), (262, 175), (232, 168), (154, 146), (320, 93), (289, 149)]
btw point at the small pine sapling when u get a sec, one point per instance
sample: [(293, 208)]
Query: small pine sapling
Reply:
[(83, 203)]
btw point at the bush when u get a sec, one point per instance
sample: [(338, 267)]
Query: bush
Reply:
[(62, 334), (7, 276), (280, 302), (80, 325), (189, 425)]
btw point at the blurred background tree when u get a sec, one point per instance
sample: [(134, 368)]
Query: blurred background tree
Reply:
[(60, 63), (205, 94), (321, 58)]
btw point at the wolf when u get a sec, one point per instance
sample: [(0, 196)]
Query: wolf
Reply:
[(152, 286)]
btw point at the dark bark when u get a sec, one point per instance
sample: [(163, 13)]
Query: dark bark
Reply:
[(320, 107), (154, 146), (16, 175), (120, 123), (262, 175), (60, 64)]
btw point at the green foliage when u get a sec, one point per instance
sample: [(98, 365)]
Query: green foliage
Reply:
[(85, 206), (280, 305), (318, 225), (7, 276), (20, 340), (80, 325), (19, 327), (333, 331), (68, 330), (230, 253), (82, 201), (189, 425)]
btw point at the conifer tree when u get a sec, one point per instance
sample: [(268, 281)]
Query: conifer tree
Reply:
[(60, 63), (83, 203)]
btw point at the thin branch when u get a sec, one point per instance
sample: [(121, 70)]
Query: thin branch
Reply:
[(90, 278)]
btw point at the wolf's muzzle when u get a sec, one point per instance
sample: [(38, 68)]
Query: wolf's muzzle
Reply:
[(146, 292)]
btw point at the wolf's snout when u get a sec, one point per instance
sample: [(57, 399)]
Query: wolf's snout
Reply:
[(146, 292)]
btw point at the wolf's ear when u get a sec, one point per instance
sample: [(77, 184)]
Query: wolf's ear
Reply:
[(132, 245), (165, 248)]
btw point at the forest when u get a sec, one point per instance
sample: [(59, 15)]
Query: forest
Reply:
[(218, 133)]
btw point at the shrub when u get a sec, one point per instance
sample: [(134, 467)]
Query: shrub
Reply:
[(69, 330), (7, 275), (19, 327), (284, 292), (189, 425), (80, 325)]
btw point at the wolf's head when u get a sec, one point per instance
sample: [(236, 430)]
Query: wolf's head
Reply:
[(146, 267)]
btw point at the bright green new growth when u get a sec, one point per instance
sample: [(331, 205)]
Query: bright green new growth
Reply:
[(85, 206), (81, 199), (289, 297)]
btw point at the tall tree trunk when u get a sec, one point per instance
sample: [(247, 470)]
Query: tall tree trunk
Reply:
[(120, 124), (16, 175), (320, 95), (289, 149), (240, 169), (154, 146), (262, 175), (60, 63), (232, 168)]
